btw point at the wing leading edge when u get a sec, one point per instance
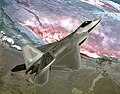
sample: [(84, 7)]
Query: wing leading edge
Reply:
[(69, 59)]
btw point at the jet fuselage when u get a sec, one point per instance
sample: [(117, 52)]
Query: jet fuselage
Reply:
[(61, 55), (75, 38)]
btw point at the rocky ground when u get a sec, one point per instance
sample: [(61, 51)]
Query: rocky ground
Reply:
[(92, 78), (101, 77), (96, 76), (12, 83)]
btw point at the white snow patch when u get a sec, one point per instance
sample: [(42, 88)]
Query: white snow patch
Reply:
[(93, 2), (117, 6), (9, 40), (17, 47), (90, 54)]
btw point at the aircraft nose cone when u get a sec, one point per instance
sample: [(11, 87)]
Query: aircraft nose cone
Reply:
[(94, 23)]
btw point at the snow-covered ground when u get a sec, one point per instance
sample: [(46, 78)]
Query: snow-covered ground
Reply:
[(53, 20)]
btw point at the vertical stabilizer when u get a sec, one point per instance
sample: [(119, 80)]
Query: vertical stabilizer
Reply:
[(31, 55)]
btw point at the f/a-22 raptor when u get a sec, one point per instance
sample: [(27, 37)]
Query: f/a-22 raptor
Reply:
[(61, 55)]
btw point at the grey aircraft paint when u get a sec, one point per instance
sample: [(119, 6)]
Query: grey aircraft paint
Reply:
[(62, 55)]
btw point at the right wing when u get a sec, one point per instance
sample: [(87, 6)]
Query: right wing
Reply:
[(69, 59)]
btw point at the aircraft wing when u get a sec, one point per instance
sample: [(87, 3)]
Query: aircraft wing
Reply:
[(69, 59), (46, 47)]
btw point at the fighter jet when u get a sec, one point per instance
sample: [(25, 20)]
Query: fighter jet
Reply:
[(61, 55)]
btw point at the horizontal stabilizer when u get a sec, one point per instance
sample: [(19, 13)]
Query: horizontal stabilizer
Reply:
[(42, 79), (19, 68)]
